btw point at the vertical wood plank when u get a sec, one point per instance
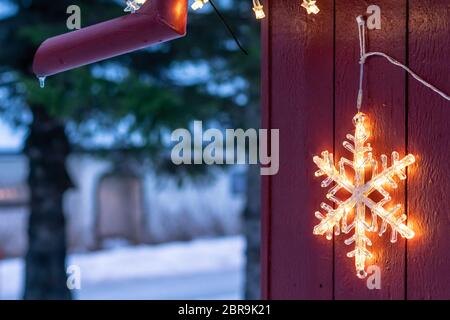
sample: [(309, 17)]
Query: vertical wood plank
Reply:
[(429, 139), (384, 103), (266, 197), (300, 81)]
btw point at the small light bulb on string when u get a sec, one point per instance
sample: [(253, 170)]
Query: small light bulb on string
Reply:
[(310, 6), (198, 4), (258, 9), (134, 5)]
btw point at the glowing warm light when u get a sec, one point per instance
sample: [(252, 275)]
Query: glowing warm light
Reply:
[(134, 5), (258, 9), (178, 9), (337, 218), (198, 4), (310, 6)]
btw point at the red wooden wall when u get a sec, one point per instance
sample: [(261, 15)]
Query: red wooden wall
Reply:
[(310, 74)]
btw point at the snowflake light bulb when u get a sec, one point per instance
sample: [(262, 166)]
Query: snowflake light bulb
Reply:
[(134, 5), (198, 4), (337, 219), (258, 9), (310, 6)]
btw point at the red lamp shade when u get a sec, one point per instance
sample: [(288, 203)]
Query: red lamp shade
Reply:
[(157, 21)]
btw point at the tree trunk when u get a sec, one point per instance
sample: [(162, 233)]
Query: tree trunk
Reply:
[(47, 148), (252, 226)]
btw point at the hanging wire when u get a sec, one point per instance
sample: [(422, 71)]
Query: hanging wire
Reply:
[(230, 30), (364, 55), (362, 52)]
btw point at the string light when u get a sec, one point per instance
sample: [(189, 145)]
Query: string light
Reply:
[(310, 6), (134, 5), (337, 219), (258, 9), (198, 4)]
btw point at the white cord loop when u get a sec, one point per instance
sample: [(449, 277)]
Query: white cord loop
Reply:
[(364, 55)]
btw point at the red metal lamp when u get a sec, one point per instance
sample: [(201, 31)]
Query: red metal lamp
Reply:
[(155, 22)]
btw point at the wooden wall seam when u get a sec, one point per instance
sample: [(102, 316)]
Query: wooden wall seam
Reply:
[(334, 135), (406, 140), (266, 180)]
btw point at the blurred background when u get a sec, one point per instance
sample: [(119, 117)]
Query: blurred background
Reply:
[(85, 173)]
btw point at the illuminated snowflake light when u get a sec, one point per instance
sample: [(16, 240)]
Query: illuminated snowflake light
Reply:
[(337, 218)]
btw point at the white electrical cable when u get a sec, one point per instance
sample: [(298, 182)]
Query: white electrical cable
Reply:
[(362, 52), (412, 73), (364, 55)]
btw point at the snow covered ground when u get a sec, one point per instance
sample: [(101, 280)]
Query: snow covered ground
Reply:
[(201, 269)]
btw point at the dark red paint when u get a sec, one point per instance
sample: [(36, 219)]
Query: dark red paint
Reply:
[(157, 21), (428, 254), (310, 77), (298, 99)]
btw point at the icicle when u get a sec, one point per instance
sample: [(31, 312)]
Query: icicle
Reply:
[(42, 82)]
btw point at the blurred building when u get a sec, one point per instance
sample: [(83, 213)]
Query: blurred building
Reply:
[(112, 206)]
